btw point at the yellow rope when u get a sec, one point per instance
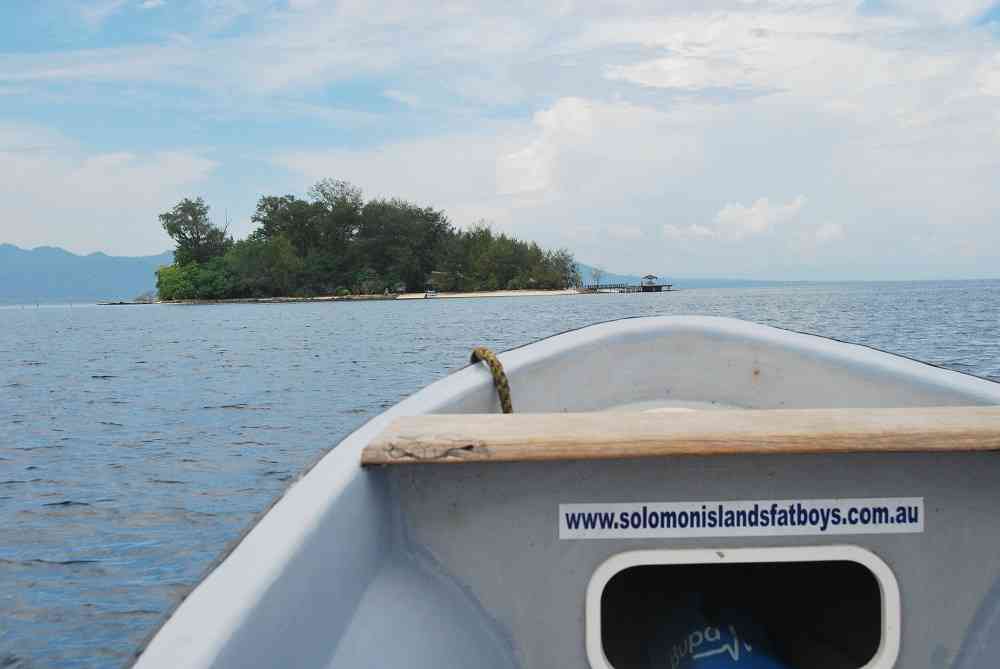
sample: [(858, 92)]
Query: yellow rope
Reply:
[(481, 353)]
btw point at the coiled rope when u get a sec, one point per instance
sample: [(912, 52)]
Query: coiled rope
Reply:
[(483, 354)]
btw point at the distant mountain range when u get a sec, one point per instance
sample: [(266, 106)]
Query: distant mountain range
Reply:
[(50, 274), (587, 276)]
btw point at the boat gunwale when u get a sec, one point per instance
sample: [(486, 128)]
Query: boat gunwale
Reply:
[(559, 437)]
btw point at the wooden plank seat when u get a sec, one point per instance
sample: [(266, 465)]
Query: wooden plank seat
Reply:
[(453, 438)]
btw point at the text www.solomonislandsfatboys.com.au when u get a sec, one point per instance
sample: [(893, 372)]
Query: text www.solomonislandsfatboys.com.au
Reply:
[(742, 518)]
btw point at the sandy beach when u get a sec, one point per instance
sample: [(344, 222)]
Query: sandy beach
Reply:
[(364, 298), (491, 293)]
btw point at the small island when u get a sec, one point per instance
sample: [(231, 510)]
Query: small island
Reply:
[(334, 244)]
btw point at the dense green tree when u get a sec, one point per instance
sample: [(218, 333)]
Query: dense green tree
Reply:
[(401, 241), (564, 264), (335, 242), (321, 274), (175, 282), (299, 221), (194, 281), (197, 238), (340, 223), (262, 267)]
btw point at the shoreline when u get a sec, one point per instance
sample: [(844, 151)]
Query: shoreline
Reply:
[(528, 292), (383, 298), (363, 298), (285, 299)]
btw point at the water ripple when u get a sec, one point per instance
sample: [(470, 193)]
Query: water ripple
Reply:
[(191, 420)]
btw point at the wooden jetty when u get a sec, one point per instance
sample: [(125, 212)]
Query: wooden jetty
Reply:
[(628, 287), (650, 284)]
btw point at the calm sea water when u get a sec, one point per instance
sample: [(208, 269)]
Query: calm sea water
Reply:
[(136, 443)]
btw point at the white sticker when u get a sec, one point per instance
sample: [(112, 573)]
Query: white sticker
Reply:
[(745, 518)]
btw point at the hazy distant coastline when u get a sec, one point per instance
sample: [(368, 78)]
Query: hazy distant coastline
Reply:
[(52, 275), (49, 274)]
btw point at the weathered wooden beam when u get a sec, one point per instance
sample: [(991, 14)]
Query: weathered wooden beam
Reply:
[(608, 435)]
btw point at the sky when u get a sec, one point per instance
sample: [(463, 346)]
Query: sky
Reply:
[(762, 139)]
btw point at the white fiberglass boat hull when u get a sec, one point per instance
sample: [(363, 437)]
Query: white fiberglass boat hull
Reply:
[(463, 566)]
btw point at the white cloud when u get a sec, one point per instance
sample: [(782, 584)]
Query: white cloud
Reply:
[(585, 147), (824, 51), (624, 232), (951, 12), (96, 12), (27, 138), (829, 232), (684, 73), (988, 77), (170, 63), (452, 171), (55, 193), (405, 98), (532, 167), (221, 13), (693, 231), (736, 221)]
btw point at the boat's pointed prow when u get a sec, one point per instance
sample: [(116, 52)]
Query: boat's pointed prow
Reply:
[(879, 470)]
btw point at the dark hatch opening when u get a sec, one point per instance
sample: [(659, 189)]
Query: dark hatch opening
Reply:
[(799, 615)]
